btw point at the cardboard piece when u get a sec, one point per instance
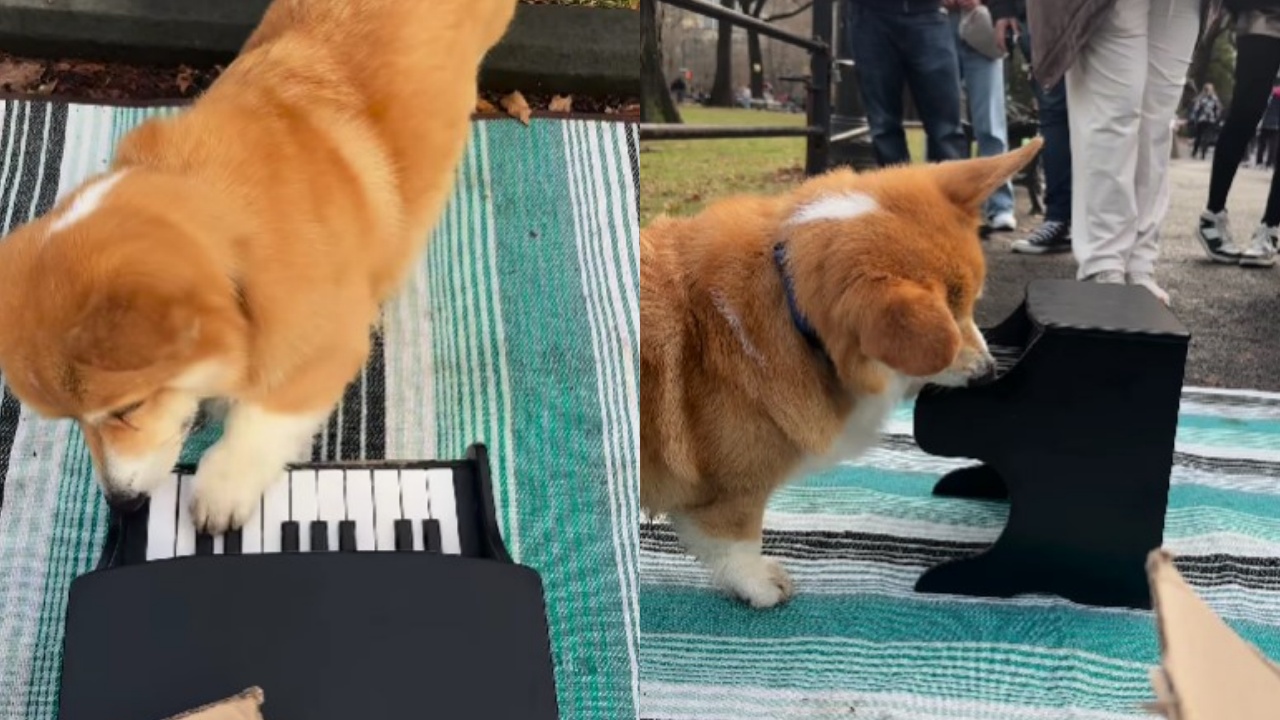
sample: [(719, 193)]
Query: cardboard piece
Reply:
[(244, 706), (1207, 671)]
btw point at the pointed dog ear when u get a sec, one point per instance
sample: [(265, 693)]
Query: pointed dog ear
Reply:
[(968, 183), (909, 327)]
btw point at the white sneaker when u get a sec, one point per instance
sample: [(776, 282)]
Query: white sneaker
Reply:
[(1109, 277), (1003, 222), (1261, 251), (1148, 281), (1214, 234)]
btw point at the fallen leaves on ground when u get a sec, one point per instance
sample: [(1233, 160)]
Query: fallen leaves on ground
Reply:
[(516, 106), (15, 73), (561, 104), (484, 106)]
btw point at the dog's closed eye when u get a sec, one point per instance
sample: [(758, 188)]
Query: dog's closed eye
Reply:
[(121, 415)]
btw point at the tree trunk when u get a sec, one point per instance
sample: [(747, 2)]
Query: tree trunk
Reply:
[(756, 57), (722, 87), (656, 104)]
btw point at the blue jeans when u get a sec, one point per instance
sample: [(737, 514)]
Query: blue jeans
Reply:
[(984, 88), (1056, 155), (918, 49)]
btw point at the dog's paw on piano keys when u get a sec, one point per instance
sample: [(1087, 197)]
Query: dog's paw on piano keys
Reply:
[(228, 488)]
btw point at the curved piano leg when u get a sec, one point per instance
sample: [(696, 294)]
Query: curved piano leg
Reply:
[(983, 575), (976, 482)]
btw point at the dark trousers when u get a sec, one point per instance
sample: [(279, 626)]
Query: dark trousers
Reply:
[(1203, 132), (897, 50), (1257, 60), (1056, 155), (1267, 147)]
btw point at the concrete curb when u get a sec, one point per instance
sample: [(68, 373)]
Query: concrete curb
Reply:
[(549, 48)]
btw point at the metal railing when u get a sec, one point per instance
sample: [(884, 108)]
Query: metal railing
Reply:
[(817, 127)]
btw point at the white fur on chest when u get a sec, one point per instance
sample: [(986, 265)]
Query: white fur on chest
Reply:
[(862, 429)]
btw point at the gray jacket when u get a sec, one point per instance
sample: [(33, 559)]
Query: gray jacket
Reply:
[(1060, 28)]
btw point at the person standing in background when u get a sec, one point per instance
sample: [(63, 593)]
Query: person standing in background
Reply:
[(1054, 234), (1269, 131), (1206, 110), (1125, 63), (1257, 61), (982, 79), (897, 44)]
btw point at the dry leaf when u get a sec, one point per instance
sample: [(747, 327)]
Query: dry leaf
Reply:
[(517, 107), (561, 103), (484, 106), (632, 109), (18, 73), (47, 88)]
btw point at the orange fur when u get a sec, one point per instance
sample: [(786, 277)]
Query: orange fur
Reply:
[(733, 400), (246, 248)]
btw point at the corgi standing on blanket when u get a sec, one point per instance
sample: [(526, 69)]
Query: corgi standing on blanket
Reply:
[(241, 250), (778, 333)]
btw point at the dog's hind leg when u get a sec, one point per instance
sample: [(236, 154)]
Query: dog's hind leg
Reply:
[(726, 536)]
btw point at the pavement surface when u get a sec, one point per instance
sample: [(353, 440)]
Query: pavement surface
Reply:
[(1233, 313)]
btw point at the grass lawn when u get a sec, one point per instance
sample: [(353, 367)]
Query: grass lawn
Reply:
[(678, 177)]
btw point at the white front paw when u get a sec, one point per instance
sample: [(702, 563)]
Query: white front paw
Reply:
[(759, 581), (228, 489)]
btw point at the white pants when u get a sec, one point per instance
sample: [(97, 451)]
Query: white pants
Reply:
[(1122, 93)]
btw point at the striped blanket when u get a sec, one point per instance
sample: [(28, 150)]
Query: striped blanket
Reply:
[(519, 329), (857, 642)]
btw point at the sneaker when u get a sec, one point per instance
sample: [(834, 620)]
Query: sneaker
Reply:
[(1214, 234), (1261, 251), (1051, 237), (1109, 277), (1148, 281), (1003, 222)]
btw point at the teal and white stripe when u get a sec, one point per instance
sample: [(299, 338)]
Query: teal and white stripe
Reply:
[(859, 642), (518, 329)]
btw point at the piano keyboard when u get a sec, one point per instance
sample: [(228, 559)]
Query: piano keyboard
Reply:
[(319, 510), (1006, 357)]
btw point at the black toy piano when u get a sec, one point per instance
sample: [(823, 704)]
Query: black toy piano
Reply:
[(1077, 431), (371, 590)]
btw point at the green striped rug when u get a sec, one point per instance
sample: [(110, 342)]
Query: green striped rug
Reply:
[(519, 329), (858, 642)]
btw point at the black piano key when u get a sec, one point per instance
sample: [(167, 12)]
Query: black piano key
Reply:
[(347, 536), (431, 535), (289, 536), (204, 544), (404, 535), (231, 543), (319, 536)]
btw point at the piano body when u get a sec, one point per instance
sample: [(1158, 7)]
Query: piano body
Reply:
[(1077, 431), (369, 590)]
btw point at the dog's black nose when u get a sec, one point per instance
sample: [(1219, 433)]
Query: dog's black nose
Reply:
[(124, 502)]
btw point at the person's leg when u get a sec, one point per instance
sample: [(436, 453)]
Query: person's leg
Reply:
[(1105, 118), (879, 67), (932, 69), (1257, 59), (984, 85), (1173, 26), (1197, 133)]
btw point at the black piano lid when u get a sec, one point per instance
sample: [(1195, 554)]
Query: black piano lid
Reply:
[(1106, 308)]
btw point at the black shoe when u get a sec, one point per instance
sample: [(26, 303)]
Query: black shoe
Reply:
[(1051, 237)]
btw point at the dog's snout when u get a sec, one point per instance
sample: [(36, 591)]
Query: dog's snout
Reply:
[(123, 501)]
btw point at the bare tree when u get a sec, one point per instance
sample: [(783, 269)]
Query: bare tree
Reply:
[(656, 104)]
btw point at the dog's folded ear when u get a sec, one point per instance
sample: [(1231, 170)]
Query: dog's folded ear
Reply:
[(908, 327), (124, 329), (968, 183)]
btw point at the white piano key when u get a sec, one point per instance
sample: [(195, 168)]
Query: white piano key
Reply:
[(162, 520), (359, 494), (302, 507), (275, 511), (444, 507), (413, 499), (386, 507), (251, 533), (185, 529), (330, 492)]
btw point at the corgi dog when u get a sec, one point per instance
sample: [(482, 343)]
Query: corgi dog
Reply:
[(778, 333), (241, 249)]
